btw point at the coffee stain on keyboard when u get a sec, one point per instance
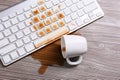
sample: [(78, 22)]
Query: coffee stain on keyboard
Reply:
[(49, 56)]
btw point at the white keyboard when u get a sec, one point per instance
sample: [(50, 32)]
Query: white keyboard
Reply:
[(34, 24)]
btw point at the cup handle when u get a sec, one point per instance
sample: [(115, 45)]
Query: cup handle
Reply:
[(74, 63)]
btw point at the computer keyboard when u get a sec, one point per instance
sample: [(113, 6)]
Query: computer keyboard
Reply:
[(33, 24)]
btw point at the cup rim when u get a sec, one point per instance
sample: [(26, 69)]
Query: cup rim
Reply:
[(63, 45)]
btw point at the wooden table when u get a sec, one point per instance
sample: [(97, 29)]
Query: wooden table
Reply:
[(101, 62)]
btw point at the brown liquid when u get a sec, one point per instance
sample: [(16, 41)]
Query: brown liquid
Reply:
[(35, 12), (40, 1), (61, 23), (54, 19), (49, 56), (54, 27), (60, 15), (64, 49), (35, 27), (30, 23), (41, 24), (35, 19), (49, 13), (41, 33), (47, 22), (48, 30), (42, 8), (42, 16)]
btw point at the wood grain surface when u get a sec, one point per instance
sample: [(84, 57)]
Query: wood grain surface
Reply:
[(101, 62)]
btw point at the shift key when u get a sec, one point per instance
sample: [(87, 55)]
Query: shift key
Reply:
[(3, 42), (7, 49)]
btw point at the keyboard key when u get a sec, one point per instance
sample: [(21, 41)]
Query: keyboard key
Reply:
[(21, 17), (42, 16), (54, 18), (98, 12), (33, 36), (49, 4), (92, 15), (1, 27), (79, 21), (5, 18), (67, 11), (21, 25), (75, 1), (28, 14), (42, 8), (14, 55), (6, 59), (26, 31), (49, 13), (14, 21), (68, 19), (35, 19), (90, 7), (21, 51), (54, 26), (27, 8), (7, 49), (47, 29), (80, 13), (41, 33), (34, 5), (41, 24), (61, 23), (47, 21), (14, 29), (3, 43), (55, 2), (74, 15), (35, 11), (19, 34), (72, 25), (80, 4), (62, 6), (19, 12), (86, 2), (19, 43), (26, 40), (55, 9), (12, 15), (29, 47), (85, 18), (68, 2), (60, 15), (34, 28), (40, 1), (28, 22), (12, 38), (7, 24), (74, 8), (7, 32), (1, 35)]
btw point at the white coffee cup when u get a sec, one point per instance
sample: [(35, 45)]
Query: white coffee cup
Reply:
[(73, 46)]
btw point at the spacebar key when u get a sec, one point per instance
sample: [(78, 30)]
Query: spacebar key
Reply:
[(52, 37)]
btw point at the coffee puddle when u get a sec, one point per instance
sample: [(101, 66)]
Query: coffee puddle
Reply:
[(49, 56)]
